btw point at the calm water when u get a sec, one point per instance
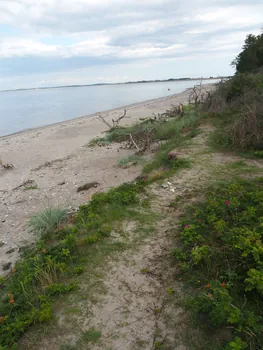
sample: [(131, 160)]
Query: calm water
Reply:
[(21, 110)]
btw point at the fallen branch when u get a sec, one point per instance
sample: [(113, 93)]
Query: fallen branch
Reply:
[(134, 143), (141, 140)]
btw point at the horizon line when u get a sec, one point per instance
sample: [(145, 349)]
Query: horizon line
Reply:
[(128, 82)]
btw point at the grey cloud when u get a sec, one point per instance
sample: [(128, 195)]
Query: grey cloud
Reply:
[(118, 32)]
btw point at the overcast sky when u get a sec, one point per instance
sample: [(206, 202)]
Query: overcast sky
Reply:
[(63, 42)]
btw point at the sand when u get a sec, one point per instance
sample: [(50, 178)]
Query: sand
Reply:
[(56, 158)]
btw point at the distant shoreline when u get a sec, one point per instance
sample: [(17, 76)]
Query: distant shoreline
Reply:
[(125, 83)]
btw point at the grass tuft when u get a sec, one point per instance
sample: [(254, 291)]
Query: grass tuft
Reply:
[(45, 222)]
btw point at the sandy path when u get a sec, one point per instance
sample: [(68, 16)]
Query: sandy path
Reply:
[(54, 154)]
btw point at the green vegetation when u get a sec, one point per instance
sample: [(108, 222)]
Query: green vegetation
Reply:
[(221, 256), (166, 128), (134, 159), (236, 106), (45, 222), (91, 336), (236, 110)]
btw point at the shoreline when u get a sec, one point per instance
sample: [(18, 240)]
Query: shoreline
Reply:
[(130, 106)]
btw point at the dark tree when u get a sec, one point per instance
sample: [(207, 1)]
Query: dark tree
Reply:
[(250, 58)]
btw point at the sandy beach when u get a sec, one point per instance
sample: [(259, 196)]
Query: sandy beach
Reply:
[(56, 158)]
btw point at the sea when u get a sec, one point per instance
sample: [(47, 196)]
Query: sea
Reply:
[(26, 109)]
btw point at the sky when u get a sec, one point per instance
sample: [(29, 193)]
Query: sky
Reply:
[(64, 42)]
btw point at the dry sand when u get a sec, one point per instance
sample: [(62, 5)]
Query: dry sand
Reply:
[(55, 154)]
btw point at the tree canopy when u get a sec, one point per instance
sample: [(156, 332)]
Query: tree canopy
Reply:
[(250, 58)]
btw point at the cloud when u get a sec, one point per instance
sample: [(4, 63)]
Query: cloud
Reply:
[(54, 36)]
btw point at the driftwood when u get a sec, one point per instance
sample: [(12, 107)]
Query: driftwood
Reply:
[(115, 122), (142, 137), (141, 140), (87, 186), (26, 184), (6, 166)]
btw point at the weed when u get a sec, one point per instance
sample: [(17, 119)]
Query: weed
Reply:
[(68, 347), (258, 154), (99, 141), (91, 336), (134, 159), (141, 343), (30, 188), (169, 166)]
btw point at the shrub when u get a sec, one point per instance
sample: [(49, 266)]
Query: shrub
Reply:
[(237, 107), (222, 254)]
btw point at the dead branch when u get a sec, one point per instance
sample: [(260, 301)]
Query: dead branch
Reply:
[(140, 140), (196, 94), (27, 183), (115, 122), (104, 121), (134, 143)]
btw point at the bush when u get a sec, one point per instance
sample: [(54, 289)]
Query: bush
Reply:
[(222, 254), (235, 92), (237, 108)]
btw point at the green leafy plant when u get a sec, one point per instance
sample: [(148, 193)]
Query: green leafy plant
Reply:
[(222, 253)]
